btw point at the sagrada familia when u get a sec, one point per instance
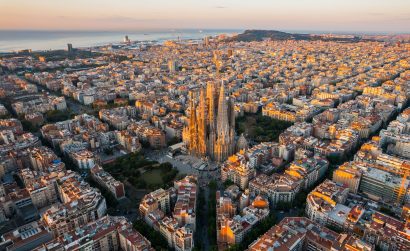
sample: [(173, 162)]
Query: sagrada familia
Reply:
[(211, 126)]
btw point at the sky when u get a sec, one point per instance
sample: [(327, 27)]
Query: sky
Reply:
[(388, 16)]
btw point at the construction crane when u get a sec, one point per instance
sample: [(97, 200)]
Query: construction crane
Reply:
[(405, 172)]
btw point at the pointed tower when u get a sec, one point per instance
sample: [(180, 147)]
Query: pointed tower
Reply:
[(193, 129), (242, 143), (222, 123), (222, 146), (210, 96), (201, 122), (231, 126), (211, 124)]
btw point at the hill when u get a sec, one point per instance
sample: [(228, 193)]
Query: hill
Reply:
[(259, 35)]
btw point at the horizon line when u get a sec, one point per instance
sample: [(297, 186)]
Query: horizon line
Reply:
[(310, 31)]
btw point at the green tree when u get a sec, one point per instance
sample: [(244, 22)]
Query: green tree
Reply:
[(212, 212), (158, 242), (173, 141), (228, 183)]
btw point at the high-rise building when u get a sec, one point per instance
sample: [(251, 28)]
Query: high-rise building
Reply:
[(230, 52), (70, 48), (206, 41), (172, 65), (127, 39), (211, 127)]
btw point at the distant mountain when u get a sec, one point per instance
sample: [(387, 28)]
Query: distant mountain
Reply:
[(259, 35)]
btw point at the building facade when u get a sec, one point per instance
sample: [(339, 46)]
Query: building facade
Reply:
[(211, 126)]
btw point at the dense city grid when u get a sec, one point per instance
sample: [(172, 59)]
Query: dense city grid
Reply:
[(213, 144)]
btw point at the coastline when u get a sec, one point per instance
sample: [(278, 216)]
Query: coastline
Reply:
[(12, 41)]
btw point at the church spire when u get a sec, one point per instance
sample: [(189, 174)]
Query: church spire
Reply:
[(201, 122), (210, 95), (211, 128), (193, 129), (222, 119)]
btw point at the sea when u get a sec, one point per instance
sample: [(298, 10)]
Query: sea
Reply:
[(14, 40)]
